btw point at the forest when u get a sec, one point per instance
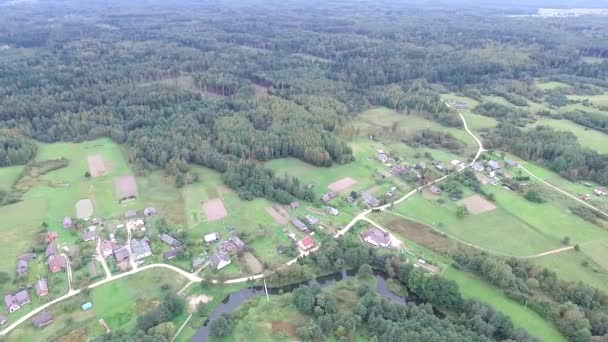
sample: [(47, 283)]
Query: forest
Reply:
[(217, 86)]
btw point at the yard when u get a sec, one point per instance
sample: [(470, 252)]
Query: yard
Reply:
[(587, 137)]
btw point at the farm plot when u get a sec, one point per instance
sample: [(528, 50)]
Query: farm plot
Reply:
[(84, 208), (214, 209), (279, 216), (97, 165), (342, 184), (476, 204)]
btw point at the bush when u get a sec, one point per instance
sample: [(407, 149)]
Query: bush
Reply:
[(222, 326), (534, 197)]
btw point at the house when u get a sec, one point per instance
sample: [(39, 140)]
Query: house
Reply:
[(89, 235), (350, 199), (211, 237), (3, 320), (87, 306), (477, 166), (312, 220), (299, 225), (455, 162), (511, 163), (381, 156), (494, 165), (584, 197), (149, 211), (440, 167), (601, 191), (106, 248), (198, 262), (14, 301), (42, 319), (234, 244), (172, 253), (332, 211), (369, 199), (376, 237), (51, 249), (399, 169), (294, 205), (121, 254), (42, 288), (140, 248), (421, 165), (50, 236), (56, 263), (329, 196), (23, 265), (220, 260), (169, 240), (306, 243), (130, 214), (434, 190), (67, 222)]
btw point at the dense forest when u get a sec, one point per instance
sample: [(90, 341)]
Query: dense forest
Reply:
[(183, 82)]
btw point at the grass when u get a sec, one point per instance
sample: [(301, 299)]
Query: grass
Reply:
[(598, 100), (19, 224), (8, 175), (570, 266), (473, 287), (493, 230), (551, 85), (118, 303), (587, 137)]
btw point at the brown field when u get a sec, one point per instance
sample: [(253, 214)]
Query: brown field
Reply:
[(276, 215), (373, 189), (342, 185), (126, 187), (214, 209), (477, 204), (84, 208), (284, 328), (97, 166), (253, 264), (422, 235), (260, 90)]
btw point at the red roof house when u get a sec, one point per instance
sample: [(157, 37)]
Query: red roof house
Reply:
[(306, 243)]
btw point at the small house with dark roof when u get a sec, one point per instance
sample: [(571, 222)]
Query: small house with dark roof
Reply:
[(170, 240), (299, 225), (14, 301), (233, 245), (67, 222), (42, 288), (42, 319), (121, 254), (434, 190), (494, 165), (89, 235), (131, 214), (369, 199), (329, 196), (197, 262), (23, 267), (312, 220), (477, 166), (172, 253), (220, 260), (149, 211)]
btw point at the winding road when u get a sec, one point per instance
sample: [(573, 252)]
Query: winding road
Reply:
[(193, 277)]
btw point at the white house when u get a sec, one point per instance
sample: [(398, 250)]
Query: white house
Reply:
[(211, 237)]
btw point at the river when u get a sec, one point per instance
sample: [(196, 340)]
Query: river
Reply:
[(235, 299)]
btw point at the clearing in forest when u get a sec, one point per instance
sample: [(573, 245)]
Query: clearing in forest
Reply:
[(97, 165), (214, 209), (277, 215), (342, 185), (84, 208), (476, 204)]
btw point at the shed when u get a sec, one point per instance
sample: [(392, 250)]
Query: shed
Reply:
[(87, 306)]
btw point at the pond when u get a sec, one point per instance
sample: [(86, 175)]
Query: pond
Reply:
[(235, 299)]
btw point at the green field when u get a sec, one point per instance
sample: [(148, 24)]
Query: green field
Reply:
[(570, 266), (598, 100), (473, 287), (551, 85), (475, 122), (493, 230), (118, 303), (8, 175), (587, 137)]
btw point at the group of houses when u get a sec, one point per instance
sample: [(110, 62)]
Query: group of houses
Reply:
[(222, 257), (491, 169), (174, 244)]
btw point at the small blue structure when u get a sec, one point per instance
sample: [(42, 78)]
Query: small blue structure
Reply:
[(87, 306)]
